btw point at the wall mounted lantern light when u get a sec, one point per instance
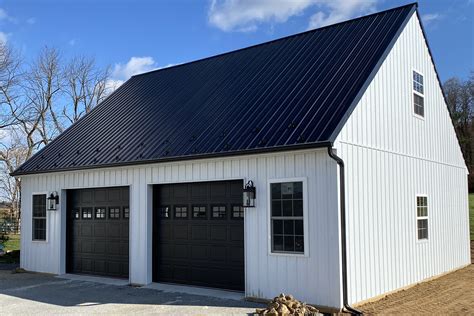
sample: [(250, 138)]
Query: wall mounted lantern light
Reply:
[(249, 195), (53, 201)]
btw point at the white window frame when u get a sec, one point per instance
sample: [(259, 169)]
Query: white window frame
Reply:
[(46, 217), (422, 217), (417, 93), (305, 217)]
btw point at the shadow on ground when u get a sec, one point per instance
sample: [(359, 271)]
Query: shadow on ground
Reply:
[(22, 291)]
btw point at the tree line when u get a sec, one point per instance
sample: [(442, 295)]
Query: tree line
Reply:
[(460, 98)]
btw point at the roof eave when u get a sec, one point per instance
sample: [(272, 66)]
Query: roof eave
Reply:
[(18, 173)]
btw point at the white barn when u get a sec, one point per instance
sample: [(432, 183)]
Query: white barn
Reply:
[(361, 187)]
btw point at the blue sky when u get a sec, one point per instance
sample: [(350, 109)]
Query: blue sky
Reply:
[(135, 36)]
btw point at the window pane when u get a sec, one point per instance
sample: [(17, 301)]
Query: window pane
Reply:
[(287, 190), (126, 212), (276, 208), (181, 212), (278, 243), (164, 212), (298, 207), (100, 213), (87, 213), (298, 190), (114, 212), (237, 211), (218, 212), (39, 205), (299, 227), (199, 212), (277, 227), (287, 207), (76, 214), (276, 190), (299, 244), (289, 227), (289, 243)]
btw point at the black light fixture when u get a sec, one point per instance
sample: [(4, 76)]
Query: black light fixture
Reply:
[(53, 200), (249, 195)]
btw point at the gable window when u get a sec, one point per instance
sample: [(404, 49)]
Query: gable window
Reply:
[(39, 217), (418, 94), (422, 217), (287, 231)]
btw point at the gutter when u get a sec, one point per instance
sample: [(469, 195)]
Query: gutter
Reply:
[(342, 202)]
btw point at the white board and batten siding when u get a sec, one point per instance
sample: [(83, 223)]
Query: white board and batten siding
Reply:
[(392, 155), (313, 278)]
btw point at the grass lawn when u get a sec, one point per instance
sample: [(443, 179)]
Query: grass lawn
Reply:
[(471, 214), (13, 242)]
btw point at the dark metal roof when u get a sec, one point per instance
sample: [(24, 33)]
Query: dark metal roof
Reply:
[(294, 92)]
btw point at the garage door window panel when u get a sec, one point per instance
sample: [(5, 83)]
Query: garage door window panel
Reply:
[(164, 212), (126, 212), (237, 212), (181, 212), (100, 213), (87, 213), (219, 212), (200, 211), (114, 212)]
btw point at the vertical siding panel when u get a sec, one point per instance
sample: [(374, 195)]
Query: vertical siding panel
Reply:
[(391, 155)]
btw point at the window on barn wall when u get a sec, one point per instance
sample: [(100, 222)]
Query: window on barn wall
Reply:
[(287, 217), (418, 94), (422, 217), (39, 217)]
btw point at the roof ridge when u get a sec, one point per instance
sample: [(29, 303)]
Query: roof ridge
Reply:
[(276, 39)]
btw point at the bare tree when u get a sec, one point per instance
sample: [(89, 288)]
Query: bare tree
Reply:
[(37, 102), (85, 85)]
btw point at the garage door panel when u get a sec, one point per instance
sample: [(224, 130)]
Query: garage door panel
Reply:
[(180, 232), (218, 233), (199, 250), (99, 243), (199, 232)]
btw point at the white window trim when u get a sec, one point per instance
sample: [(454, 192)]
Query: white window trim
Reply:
[(39, 241), (305, 217), (418, 93), (422, 241)]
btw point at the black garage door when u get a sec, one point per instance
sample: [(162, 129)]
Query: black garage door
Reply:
[(199, 234), (98, 231)]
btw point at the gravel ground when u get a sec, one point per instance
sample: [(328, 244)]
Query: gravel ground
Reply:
[(35, 293)]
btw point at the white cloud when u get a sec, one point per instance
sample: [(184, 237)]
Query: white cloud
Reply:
[(246, 15), (430, 18), (31, 21), (3, 37), (134, 66), (340, 10), (5, 17)]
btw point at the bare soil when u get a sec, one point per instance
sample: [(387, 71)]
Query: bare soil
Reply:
[(452, 294)]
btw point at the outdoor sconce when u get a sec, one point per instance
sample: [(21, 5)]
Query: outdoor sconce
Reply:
[(53, 200), (249, 195)]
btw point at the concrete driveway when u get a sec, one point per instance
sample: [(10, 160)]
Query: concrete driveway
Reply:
[(34, 293)]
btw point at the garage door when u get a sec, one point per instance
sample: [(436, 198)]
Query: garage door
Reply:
[(199, 234), (98, 231)]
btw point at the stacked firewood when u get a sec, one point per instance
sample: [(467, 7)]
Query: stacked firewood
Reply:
[(287, 305)]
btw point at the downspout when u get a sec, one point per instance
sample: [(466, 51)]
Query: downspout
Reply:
[(342, 202)]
